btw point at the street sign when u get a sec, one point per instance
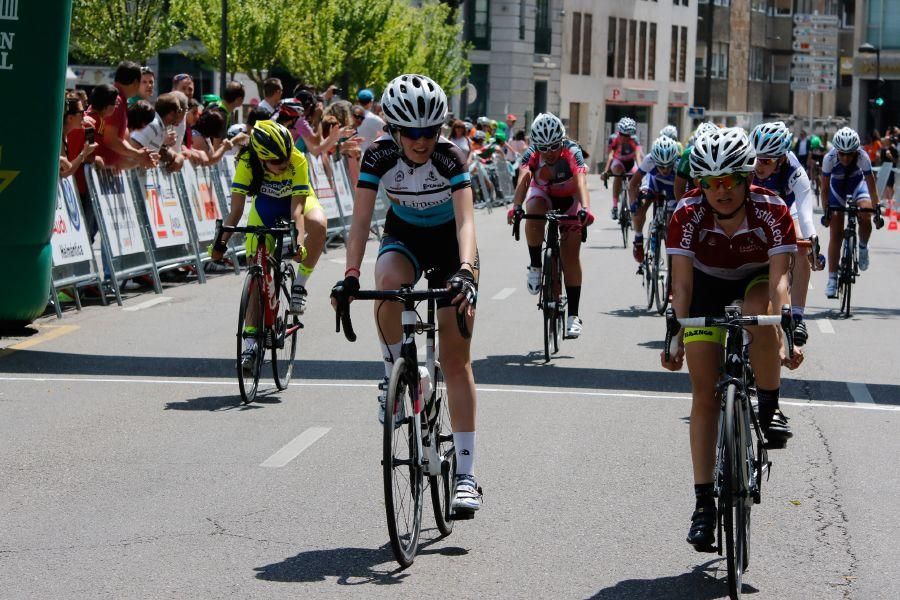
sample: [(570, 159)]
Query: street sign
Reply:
[(815, 19), (803, 59), (696, 112)]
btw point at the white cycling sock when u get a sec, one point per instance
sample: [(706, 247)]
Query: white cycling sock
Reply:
[(303, 273), (465, 452), (390, 353)]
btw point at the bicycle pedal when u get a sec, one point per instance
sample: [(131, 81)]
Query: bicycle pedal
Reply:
[(462, 516)]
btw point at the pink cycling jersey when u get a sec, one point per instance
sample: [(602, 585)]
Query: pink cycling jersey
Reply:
[(624, 148), (556, 179)]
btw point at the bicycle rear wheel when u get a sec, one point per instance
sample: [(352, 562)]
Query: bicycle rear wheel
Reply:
[(624, 222), (734, 500), (249, 382), (284, 345), (550, 304), (442, 437), (402, 467)]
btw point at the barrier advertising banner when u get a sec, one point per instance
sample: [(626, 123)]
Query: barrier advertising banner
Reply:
[(167, 221), (70, 242), (342, 188), (115, 200), (201, 196), (319, 180)]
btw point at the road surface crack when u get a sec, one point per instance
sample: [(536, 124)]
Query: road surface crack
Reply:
[(219, 529)]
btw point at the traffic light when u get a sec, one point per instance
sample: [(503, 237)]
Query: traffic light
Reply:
[(879, 101)]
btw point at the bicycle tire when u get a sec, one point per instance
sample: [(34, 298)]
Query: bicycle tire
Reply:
[(651, 266), (441, 433), (733, 495), (662, 280), (402, 468), (624, 222), (845, 279), (250, 385), (282, 347), (559, 317), (548, 302)]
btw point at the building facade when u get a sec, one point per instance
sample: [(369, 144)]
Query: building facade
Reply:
[(627, 59), (515, 58), (879, 25)]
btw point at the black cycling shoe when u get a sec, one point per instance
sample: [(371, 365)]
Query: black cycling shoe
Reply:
[(801, 335), (702, 534), (774, 425)]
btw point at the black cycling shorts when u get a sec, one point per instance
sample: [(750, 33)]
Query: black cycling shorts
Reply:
[(712, 294)]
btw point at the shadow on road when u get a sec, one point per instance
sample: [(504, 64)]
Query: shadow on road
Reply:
[(512, 370), (349, 566), (222, 403), (700, 584)]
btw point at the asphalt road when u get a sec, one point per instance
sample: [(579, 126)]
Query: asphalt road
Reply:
[(131, 470)]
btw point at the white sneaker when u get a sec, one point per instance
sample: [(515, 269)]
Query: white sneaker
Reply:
[(831, 287), (534, 280), (467, 496), (573, 327), (863, 258)]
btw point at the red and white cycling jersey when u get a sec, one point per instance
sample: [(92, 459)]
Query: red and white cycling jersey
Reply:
[(767, 230), (556, 179), (624, 148)]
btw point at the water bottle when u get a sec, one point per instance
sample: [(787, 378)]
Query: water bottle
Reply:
[(425, 389)]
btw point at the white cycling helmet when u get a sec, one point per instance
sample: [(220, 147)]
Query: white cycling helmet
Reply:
[(664, 151), (547, 129), (670, 131), (722, 152), (626, 126), (845, 140), (414, 101), (703, 128), (771, 139)]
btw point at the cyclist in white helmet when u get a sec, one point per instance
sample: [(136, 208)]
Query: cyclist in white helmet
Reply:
[(846, 171), (727, 240), (683, 180), (553, 175), (430, 226), (779, 170), (624, 153), (655, 176)]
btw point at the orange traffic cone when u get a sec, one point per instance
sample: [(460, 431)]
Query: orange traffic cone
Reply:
[(890, 208)]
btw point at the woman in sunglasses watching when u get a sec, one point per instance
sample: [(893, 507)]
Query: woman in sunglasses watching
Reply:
[(779, 170), (728, 240), (553, 172), (846, 171), (429, 226)]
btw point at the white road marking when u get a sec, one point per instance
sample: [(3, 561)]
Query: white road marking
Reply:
[(811, 286), (504, 294), (292, 449), (825, 325), (860, 393), (148, 303), (543, 392)]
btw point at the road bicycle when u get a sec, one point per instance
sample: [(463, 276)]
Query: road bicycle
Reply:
[(655, 268), (624, 215), (848, 269), (551, 300), (741, 456), (417, 434), (265, 299)]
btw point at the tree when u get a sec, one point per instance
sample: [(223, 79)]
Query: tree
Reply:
[(110, 31), (260, 33)]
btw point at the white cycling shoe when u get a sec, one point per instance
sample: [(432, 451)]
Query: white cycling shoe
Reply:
[(863, 259), (467, 497), (831, 287), (573, 327), (534, 280)]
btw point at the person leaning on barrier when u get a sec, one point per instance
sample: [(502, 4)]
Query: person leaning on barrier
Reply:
[(161, 134), (78, 147), (209, 135), (112, 130)]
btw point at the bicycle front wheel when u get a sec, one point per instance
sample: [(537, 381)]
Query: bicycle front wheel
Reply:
[(734, 499), (624, 222), (248, 378), (442, 438), (661, 280), (402, 466), (845, 278), (284, 332)]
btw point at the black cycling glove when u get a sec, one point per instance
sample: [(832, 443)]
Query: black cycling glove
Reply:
[(346, 288), (464, 282)]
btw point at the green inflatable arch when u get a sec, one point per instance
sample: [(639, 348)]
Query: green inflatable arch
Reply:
[(34, 40)]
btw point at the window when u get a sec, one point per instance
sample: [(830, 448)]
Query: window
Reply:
[(642, 51), (478, 28), (848, 14), (758, 64), (611, 49), (783, 8), (781, 68), (758, 5), (621, 48), (522, 6), (632, 39), (722, 2), (651, 58), (682, 55), (574, 120), (700, 60), (542, 31), (719, 66), (540, 97), (587, 33), (673, 54), (682, 2), (576, 43), (478, 77)]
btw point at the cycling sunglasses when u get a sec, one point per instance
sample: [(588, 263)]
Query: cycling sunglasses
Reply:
[(726, 181), (416, 133), (766, 161), (549, 147)]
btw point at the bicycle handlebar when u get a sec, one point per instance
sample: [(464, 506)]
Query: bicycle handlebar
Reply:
[(550, 216), (673, 326), (342, 312)]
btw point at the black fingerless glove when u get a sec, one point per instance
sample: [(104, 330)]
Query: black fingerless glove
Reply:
[(346, 288), (464, 282)]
